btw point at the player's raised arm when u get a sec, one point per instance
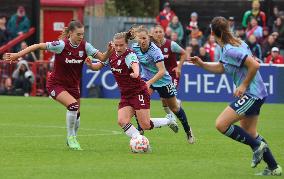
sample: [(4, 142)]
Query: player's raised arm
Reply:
[(16, 56), (211, 67), (104, 56)]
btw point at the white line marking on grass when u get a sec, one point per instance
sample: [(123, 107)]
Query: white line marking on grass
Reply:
[(60, 127), (106, 132), (48, 136)]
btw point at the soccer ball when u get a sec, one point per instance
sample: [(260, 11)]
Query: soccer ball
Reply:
[(139, 144)]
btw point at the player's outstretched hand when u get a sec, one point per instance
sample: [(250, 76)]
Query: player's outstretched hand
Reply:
[(10, 57), (240, 91), (110, 47), (196, 61), (88, 61)]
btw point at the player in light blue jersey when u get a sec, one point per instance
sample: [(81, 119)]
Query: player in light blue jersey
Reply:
[(157, 77), (237, 61)]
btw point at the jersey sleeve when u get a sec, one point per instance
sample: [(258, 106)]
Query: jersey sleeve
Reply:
[(91, 51), (235, 56), (131, 58), (175, 47), (55, 46), (157, 55)]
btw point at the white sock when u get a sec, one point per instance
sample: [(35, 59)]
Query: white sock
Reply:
[(167, 110), (130, 130), (159, 122), (70, 122), (77, 125)]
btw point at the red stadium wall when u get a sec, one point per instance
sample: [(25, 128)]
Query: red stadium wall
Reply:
[(55, 15)]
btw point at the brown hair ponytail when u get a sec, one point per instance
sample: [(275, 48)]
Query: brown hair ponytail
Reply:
[(71, 27), (220, 27)]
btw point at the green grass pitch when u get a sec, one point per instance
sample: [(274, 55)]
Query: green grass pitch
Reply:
[(32, 140)]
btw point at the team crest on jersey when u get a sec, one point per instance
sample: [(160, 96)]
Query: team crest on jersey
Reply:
[(69, 53), (118, 62), (52, 93), (81, 53), (166, 50)]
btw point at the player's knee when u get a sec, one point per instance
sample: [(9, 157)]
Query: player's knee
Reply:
[(73, 107), (175, 109), (220, 126)]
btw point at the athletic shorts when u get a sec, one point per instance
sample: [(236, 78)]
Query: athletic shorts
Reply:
[(247, 105), (55, 89), (167, 91), (175, 80), (138, 101)]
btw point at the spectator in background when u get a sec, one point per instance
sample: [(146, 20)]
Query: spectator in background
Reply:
[(165, 16), (275, 57), (254, 29), (275, 35), (30, 57), (3, 30), (240, 33), (168, 33), (265, 32), (272, 18), (231, 21), (19, 23), (188, 51), (210, 47), (176, 26), (204, 55), (6, 86), (278, 26), (267, 46), (256, 13), (193, 22), (23, 78), (196, 34), (174, 37), (255, 47), (195, 46)]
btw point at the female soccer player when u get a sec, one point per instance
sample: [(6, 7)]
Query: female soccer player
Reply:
[(170, 50), (157, 77), (64, 82), (236, 60), (135, 98)]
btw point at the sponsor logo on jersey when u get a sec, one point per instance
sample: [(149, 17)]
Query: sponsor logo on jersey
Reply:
[(166, 56), (73, 61), (81, 53), (166, 50), (116, 70)]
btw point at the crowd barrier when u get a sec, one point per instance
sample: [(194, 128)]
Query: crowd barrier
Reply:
[(195, 84)]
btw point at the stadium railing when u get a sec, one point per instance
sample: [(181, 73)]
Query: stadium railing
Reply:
[(15, 41)]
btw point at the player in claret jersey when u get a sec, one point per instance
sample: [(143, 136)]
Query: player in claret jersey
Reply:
[(63, 84), (135, 98)]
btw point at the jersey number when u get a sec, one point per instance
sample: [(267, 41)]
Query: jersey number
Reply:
[(243, 100), (141, 98)]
